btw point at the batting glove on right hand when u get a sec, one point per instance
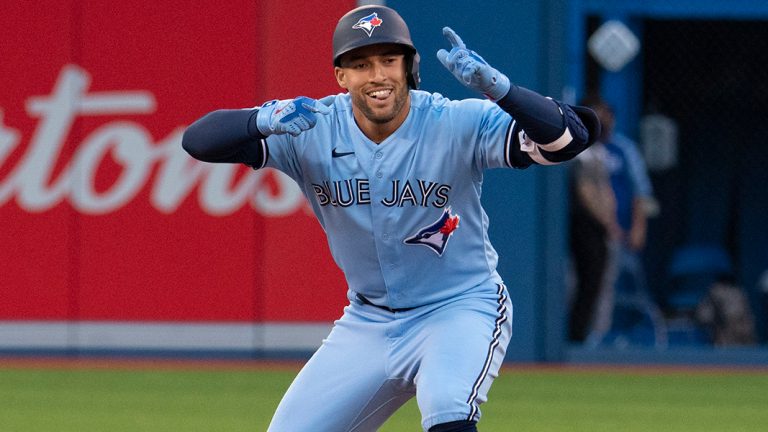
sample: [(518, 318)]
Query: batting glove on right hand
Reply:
[(471, 69), (291, 116)]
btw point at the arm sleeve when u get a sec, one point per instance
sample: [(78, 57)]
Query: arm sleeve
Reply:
[(227, 136), (546, 131)]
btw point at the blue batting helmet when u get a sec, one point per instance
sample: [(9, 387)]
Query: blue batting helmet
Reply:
[(370, 25)]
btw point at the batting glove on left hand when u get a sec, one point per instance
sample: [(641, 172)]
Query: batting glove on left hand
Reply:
[(471, 69), (292, 116)]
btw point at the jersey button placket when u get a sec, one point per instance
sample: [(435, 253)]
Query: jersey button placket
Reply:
[(380, 189)]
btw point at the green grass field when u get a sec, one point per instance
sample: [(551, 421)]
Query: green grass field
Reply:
[(200, 398)]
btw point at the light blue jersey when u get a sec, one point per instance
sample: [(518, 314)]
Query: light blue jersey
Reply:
[(393, 210)]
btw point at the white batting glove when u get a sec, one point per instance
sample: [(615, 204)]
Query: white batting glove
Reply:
[(291, 116), (471, 69)]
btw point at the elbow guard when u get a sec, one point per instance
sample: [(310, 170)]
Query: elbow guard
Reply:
[(547, 131), (580, 129)]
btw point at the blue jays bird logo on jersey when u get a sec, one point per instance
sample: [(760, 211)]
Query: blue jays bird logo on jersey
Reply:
[(369, 23), (436, 235)]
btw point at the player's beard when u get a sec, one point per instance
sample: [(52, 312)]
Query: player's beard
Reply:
[(377, 116)]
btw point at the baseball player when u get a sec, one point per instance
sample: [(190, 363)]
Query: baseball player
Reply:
[(394, 176)]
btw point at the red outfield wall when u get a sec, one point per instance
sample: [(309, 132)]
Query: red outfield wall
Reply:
[(104, 217)]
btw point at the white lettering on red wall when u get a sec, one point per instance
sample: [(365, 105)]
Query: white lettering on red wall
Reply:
[(31, 184)]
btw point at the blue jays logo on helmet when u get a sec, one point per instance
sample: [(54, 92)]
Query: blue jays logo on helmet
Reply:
[(369, 23), (436, 235)]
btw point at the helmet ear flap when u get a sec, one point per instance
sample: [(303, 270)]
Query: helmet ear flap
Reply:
[(412, 71)]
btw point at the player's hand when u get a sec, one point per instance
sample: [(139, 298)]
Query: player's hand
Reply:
[(469, 68), (291, 116)]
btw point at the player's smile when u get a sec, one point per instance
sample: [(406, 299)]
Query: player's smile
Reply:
[(380, 94), (379, 98), (382, 104)]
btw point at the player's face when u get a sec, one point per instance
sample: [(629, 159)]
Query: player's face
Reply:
[(376, 80)]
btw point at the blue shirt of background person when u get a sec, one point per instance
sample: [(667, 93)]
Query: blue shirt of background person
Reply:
[(629, 179)]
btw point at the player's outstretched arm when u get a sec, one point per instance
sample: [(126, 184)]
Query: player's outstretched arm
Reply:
[(238, 136), (558, 130)]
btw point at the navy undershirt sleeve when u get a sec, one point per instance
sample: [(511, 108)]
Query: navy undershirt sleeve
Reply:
[(539, 116), (225, 136)]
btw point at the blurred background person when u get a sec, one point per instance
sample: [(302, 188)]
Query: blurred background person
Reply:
[(633, 203), (592, 226), (611, 201)]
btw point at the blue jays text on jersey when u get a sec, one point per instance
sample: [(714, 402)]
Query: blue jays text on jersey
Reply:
[(345, 193)]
